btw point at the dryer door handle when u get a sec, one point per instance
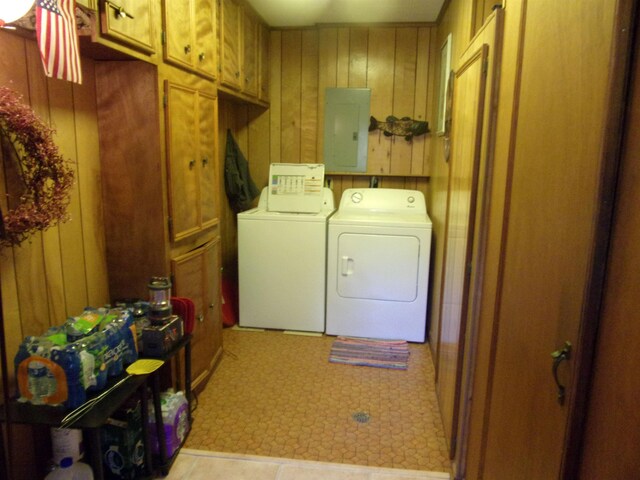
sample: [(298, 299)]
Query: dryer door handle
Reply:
[(347, 266)]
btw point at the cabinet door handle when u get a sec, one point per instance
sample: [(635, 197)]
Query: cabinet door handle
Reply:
[(192, 164), (118, 10), (187, 48)]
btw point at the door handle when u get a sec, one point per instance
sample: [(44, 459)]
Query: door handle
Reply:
[(558, 357), (347, 263)]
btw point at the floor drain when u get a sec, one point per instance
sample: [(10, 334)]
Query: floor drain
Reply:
[(361, 417)]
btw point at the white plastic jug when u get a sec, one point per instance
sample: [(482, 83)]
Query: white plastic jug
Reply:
[(71, 471)]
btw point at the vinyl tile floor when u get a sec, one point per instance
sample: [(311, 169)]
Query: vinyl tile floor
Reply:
[(276, 395), (200, 465)]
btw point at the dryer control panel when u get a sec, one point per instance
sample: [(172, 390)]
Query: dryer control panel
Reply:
[(383, 200)]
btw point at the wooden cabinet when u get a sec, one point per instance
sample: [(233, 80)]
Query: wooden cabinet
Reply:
[(189, 35), (144, 185), (244, 52), (129, 22), (263, 62), (230, 44), (250, 50), (191, 136), (197, 276), (133, 192)]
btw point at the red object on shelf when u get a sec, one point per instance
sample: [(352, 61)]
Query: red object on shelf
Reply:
[(185, 308)]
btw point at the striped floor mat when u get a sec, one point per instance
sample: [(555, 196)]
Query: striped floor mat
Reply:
[(370, 352)]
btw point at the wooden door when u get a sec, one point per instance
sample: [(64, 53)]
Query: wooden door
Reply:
[(230, 44), (250, 59), (549, 232), (612, 431), (263, 68), (466, 139), (183, 165), (213, 301), (208, 119), (179, 32), (205, 37), (196, 277), (129, 22)]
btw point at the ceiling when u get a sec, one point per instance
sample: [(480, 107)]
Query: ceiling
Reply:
[(300, 13)]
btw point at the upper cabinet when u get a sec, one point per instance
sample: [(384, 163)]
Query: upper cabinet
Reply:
[(191, 124), (129, 22), (250, 50), (263, 61), (189, 35), (230, 44), (244, 46)]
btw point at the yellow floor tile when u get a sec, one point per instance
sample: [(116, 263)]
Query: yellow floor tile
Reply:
[(278, 395)]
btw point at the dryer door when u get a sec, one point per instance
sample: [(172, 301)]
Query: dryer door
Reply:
[(378, 267)]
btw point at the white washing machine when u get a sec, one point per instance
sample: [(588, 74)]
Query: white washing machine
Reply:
[(282, 247), (379, 246)]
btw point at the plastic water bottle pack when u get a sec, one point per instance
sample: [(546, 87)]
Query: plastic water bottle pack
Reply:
[(60, 366)]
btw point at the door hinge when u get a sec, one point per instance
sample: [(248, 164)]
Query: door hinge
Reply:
[(165, 101), (163, 37), (485, 66)]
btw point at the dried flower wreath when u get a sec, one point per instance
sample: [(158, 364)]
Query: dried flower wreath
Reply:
[(46, 175)]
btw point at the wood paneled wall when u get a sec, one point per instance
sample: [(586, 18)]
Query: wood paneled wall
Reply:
[(58, 272), (396, 63)]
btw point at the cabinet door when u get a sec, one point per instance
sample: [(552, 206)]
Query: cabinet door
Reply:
[(128, 22), (196, 276), (183, 166), (250, 49), (208, 119), (230, 44), (178, 32), (263, 68), (213, 296), (205, 37)]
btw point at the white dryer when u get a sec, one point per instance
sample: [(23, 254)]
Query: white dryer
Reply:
[(378, 253)]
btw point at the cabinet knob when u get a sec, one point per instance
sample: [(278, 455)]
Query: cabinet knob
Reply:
[(200, 318), (205, 161), (212, 305), (187, 48), (192, 164), (201, 57)]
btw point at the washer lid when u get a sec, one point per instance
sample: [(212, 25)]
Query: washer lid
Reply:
[(260, 214)]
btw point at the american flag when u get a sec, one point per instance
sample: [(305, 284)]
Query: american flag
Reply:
[(58, 40)]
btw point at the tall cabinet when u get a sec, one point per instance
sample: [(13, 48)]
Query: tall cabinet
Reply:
[(158, 124), (158, 147)]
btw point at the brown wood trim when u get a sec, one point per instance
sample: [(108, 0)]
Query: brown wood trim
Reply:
[(619, 76), (483, 213), (504, 235), (319, 26), (443, 11)]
